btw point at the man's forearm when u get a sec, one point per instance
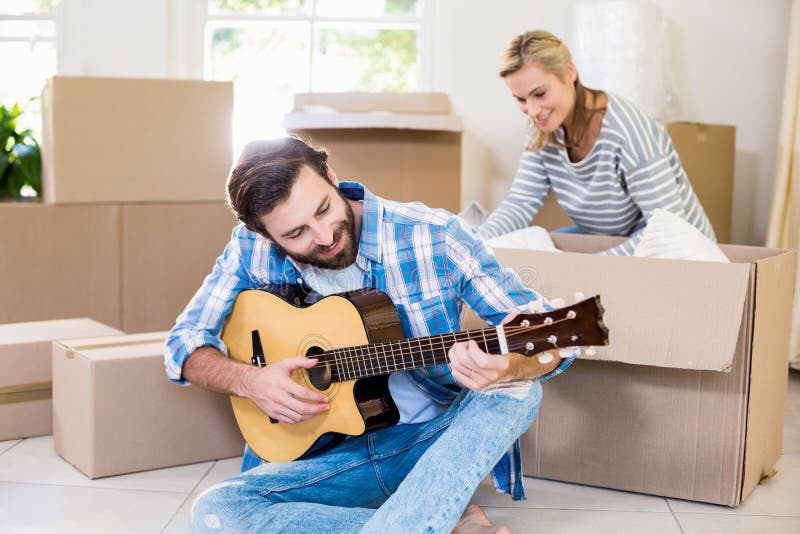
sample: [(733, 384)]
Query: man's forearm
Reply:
[(209, 368)]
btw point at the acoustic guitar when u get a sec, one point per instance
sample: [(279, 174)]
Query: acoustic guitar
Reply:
[(358, 339)]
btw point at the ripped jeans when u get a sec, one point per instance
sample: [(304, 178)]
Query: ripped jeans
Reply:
[(405, 478)]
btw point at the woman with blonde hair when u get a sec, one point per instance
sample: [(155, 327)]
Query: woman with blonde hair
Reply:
[(609, 164)]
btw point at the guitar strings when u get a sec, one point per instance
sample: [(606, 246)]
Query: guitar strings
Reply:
[(353, 362), (352, 353)]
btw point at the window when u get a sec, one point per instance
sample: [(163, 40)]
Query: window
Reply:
[(273, 49), (27, 54)]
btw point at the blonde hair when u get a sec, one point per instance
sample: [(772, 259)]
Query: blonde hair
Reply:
[(552, 55)]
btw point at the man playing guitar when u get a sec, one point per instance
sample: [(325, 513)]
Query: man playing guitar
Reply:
[(301, 227)]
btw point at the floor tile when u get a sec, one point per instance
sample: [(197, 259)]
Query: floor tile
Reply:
[(791, 427), (5, 445), (180, 522), (34, 461), (740, 524), (778, 496), (221, 470), (550, 494), (526, 520), (32, 508)]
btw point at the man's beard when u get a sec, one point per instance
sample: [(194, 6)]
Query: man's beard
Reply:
[(344, 230)]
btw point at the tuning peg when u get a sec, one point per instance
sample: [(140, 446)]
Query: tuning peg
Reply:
[(567, 352), (557, 303), (590, 351), (579, 296), (545, 358)]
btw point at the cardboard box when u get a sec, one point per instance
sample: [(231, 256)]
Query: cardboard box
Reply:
[(688, 399), (132, 266), (404, 147), (135, 140), (25, 372), (115, 412), (167, 250), (59, 262), (707, 153)]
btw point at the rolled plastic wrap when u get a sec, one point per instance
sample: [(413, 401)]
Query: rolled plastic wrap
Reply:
[(622, 46)]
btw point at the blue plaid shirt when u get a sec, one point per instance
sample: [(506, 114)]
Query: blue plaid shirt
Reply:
[(428, 262)]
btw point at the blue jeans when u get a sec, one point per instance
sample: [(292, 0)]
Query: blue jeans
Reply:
[(405, 478), (569, 230)]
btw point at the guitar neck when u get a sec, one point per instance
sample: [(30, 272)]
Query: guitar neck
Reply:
[(363, 361)]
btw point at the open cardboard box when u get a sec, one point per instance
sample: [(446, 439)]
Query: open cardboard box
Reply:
[(687, 401), (115, 412), (402, 146)]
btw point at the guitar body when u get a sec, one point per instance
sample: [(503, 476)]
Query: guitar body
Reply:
[(287, 330)]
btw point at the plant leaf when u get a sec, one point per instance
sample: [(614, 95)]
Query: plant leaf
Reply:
[(3, 166), (30, 163), (16, 179)]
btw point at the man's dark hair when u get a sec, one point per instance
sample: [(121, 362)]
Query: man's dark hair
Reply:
[(264, 175)]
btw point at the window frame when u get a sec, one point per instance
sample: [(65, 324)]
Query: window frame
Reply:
[(190, 48)]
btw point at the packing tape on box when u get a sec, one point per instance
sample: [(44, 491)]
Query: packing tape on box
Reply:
[(71, 351), (769, 476), (26, 392)]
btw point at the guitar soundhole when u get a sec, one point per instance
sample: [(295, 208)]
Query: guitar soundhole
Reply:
[(319, 375)]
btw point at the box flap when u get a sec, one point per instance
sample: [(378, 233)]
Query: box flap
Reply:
[(301, 120), (357, 102), (116, 347), (410, 111), (687, 313), (768, 377), (38, 331)]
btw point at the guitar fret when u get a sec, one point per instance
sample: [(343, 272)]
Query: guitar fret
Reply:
[(364, 361), (351, 362), (394, 357), (377, 359), (444, 348)]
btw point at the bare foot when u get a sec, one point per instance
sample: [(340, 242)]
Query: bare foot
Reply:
[(474, 521)]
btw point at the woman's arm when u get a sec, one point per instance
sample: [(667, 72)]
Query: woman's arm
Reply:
[(661, 183), (523, 201)]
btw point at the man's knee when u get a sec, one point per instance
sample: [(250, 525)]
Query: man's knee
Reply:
[(209, 508), (523, 399)]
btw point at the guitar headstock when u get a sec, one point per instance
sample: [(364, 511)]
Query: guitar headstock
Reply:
[(579, 325)]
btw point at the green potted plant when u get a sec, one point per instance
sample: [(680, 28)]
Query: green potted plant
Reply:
[(20, 158)]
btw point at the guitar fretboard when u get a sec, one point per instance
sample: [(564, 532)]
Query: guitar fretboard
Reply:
[(362, 361)]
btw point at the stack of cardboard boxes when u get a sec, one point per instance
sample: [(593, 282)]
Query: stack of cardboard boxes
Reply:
[(132, 220)]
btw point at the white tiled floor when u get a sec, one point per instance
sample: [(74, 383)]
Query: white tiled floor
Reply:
[(41, 493)]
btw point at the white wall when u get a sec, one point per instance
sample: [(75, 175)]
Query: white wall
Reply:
[(728, 59), (125, 38)]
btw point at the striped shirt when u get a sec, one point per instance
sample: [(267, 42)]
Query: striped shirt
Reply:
[(427, 261), (631, 170)]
